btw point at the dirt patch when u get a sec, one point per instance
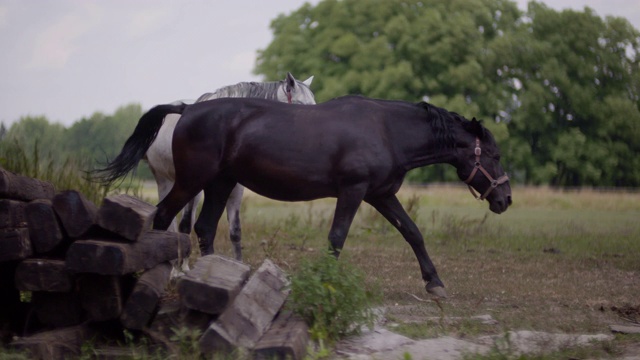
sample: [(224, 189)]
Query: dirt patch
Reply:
[(556, 262), (382, 342)]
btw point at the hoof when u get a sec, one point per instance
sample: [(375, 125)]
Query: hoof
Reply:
[(205, 251), (437, 290)]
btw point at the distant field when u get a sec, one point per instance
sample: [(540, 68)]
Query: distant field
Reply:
[(566, 261)]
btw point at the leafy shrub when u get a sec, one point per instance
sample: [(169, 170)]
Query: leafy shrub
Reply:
[(331, 297)]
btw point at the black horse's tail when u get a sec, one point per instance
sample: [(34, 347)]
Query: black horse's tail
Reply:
[(137, 144)]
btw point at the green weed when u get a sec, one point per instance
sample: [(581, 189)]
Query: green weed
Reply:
[(188, 342), (330, 295)]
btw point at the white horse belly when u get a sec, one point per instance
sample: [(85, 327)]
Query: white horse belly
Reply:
[(160, 156)]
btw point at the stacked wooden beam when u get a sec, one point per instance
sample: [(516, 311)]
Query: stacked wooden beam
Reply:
[(87, 268), (79, 263)]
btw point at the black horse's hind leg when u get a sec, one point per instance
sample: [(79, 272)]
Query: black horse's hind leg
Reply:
[(346, 207), (393, 211), (215, 198), (169, 207)]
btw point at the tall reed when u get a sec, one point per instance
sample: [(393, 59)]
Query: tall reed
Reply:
[(65, 172)]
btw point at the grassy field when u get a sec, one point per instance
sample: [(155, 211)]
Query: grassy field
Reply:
[(557, 261)]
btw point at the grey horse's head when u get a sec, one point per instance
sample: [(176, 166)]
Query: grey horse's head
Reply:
[(295, 91)]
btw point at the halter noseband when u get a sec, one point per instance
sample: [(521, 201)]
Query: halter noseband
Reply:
[(494, 183)]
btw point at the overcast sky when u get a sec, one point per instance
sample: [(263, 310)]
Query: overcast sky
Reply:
[(66, 59)]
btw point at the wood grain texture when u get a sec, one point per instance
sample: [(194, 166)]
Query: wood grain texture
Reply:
[(250, 314)]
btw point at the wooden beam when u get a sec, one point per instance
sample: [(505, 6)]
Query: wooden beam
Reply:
[(103, 296), (77, 214), (58, 344), (142, 304), (118, 258), (126, 216), (212, 284), (43, 275), (15, 244), (249, 316), (287, 338), (44, 229), (173, 316), (12, 214), (18, 187)]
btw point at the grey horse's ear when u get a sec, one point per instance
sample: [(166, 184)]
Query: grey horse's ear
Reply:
[(308, 81), (291, 81)]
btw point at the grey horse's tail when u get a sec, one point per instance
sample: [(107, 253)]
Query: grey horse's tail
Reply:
[(137, 144)]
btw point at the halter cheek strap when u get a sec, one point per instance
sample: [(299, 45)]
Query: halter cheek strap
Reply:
[(494, 182), (287, 93)]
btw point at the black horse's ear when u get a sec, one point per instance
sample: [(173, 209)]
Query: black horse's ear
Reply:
[(291, 82), (475, 127)]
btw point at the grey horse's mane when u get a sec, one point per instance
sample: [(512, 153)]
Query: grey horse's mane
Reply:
[(263, 90)]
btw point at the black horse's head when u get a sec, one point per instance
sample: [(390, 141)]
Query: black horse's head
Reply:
[(478, 165)]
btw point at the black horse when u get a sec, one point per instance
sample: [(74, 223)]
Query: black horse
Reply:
[(352, 148)]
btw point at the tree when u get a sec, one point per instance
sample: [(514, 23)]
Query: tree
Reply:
[(102, 136), (574, 84), (34, 131), (27, 145), (405, 50), (560, 90)]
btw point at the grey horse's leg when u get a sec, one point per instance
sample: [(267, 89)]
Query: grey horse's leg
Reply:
[(189, 214), (233, 216)]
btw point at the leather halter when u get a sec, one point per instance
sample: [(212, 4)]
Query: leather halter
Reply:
[(287, 92), (494, 182)]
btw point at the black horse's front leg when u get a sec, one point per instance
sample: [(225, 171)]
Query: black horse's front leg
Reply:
[(393, 211)]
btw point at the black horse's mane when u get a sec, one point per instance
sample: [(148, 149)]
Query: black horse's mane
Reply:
[(443, 121), (442, 124)]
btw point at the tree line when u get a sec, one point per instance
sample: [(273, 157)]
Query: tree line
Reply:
[(560, 90), (88, 143)]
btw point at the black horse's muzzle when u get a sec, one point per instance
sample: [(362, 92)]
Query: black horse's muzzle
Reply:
[(500, 205)]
